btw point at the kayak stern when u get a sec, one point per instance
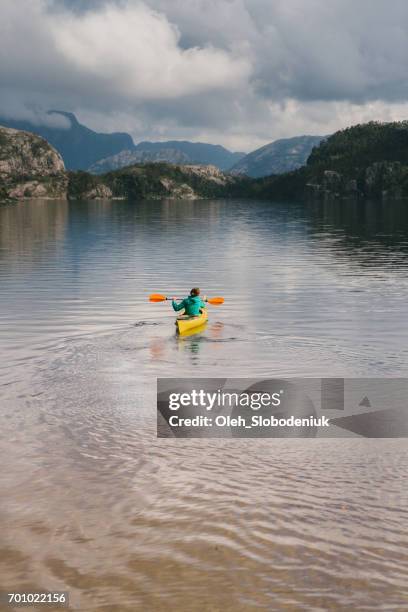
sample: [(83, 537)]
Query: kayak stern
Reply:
[(187, 323)]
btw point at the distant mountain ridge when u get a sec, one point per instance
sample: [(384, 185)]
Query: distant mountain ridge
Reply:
[(81, 148), (172, 152), (278, 157), (197, 152)]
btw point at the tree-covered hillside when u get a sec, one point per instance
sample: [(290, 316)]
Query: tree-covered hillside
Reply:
[(365, 161), (152, 181), (358, 147)]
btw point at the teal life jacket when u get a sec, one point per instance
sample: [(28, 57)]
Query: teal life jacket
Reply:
[(192, 305)]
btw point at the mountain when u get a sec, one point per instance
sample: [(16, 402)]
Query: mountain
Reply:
[(364, 161), (128, 158), (79, 146), (197, 152), (277, 157), (172, 152), (29, 167)]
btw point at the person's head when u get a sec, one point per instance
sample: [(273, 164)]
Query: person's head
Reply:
[(195, 291)]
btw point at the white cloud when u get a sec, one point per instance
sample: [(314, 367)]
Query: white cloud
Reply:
[(135, 51), (128, 53)]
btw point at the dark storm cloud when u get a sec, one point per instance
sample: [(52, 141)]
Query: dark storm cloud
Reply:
[(314, 50), (251, 69)]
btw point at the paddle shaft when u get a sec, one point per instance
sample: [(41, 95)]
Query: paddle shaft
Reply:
[(157, 297), (179, 299)]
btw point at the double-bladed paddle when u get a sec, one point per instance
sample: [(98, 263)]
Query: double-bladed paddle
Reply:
[(157, 297)]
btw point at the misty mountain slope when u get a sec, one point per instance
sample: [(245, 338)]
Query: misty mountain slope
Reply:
[(280, 156), (197, 152), (78, 145), (128, 158)]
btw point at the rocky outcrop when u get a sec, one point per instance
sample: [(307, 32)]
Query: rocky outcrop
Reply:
[(209, 173), (381, 180), (99, 192), (178, 191), (197, 179), (22, 153), (387, 179), (30, 167), (54, 189)]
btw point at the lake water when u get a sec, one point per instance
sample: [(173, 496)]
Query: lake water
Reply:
[(93, 503)]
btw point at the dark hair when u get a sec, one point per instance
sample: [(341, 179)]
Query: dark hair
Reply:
[(195, 291)]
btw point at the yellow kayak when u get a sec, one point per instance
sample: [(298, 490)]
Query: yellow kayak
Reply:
[(186, 323)]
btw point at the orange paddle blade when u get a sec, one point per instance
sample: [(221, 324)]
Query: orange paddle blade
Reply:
[(216, 301), (156, 297)]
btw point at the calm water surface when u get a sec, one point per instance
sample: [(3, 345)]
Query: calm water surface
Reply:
[(93, 503)]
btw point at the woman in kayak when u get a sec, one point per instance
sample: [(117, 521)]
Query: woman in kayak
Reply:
[(192, 304)]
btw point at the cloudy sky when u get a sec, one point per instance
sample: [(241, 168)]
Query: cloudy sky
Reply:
[(236, 72)]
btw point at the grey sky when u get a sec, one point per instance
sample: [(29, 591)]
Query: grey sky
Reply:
[(237, 72)]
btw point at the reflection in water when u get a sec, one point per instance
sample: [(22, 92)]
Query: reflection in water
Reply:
[(193, 345), (191, 341), (157, 349), (28, 231), (367, 233), (94, 503)]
